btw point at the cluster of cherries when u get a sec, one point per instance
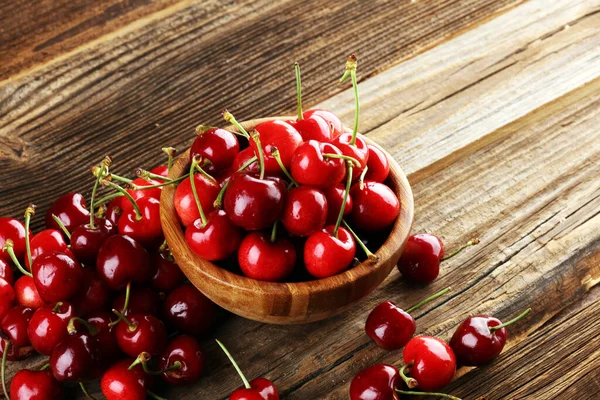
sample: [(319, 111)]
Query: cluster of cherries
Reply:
[(306, 175)]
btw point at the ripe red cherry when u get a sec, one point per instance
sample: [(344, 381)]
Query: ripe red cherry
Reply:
[(359, 151), (115, 210), (47, 241), (185, 351), (148, 229), (335, 197), (139, 194), (6, 272), (480, 338), (121, 259), (379, 165), (390, 327), (189, 311), (313, 128), (377, 382), (309, 166), (7, 297), (77, 358), (139, 333), (14, 230), (217, 145), (93, 293), (27, 294), (326, 255), (375, 206), (57, 276), (184, 201), (35, 385), (162, 170), (217, 239), (329, 117), (281, 135), (105, 335), (48, 326), (253, 203), (305, 211), (430, 361), (168, 275), (119, 382), (87, 240), (70, 209), (242, 158), (141, 300), (265, 259), (15, 353), (13, 325)]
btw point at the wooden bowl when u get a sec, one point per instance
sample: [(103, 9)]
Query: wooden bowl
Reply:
[(286, 303)]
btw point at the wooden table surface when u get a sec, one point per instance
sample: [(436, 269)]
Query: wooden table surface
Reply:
[(492, 107)]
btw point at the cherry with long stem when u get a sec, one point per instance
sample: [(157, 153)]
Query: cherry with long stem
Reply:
[(231, 119), (125, 304), (429, 299), (193, 167), (370, 255), (470, 243), (237, 368), (277, 157), (9, 248), (62, 226), (411, 383), (138, 214), (351, 71)]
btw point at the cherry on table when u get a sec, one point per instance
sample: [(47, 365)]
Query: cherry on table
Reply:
[(375, 206), (305, 211), (265, 257), (168, 275), (122, 381), (121, 260), (48, 326), (185, 204), (377, 382), (144, 227), (189, 311), (35, 385), (56, 276), (327, 254), (182, 361), (27, 294), (430, 361), (93, 293), (378, 165), (217, 145), (137, 333), (86, 240), (12, 229), (70, 209)]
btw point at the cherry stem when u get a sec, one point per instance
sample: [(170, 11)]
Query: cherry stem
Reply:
[(154, 395), (170, 152), (351, 70), (200, 169), (93, 197), (261, 156), (57, 306), (120, 178), (408, 392), (107, 198), (85, 392), (427, 300), (361, 179), (277, 157), (237, 368), (471, 242), (62, 226), (344, 199), (143, 358), (200, 129), (138, 214), (193, 167), (512, 321), (123, 318), (165, 183), (9, 248), (231, 119), (73, 330), (29, 212), (142, 173), (125, 304), (45, 367), (298, 90), (410, 382), (370, 255), (274, 232), (343, 157), (7, 343)]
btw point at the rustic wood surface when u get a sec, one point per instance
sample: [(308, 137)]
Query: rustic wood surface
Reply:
[(491, 107)]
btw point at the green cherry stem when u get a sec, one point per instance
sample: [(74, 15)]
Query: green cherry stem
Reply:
[(125, 304), (143, 358), (427, 300), (120, 178), (57, 306), (204, 173), (29, 212), (345, 198), (123, 318), (107, 198), (444, 395), (471, 242), (351, 70), (370, 255), (261, 157), (410, 382), (165, 183), (237, 368), (170, 152), (512, 321), (343, 157), (85, 392), (277, 157), (9, 248), (154, 395), (298, 90), (231, 119), (62, 226), (73, 330), (361, 179), (45, 367), (138, 214), (193, 168), (7, 343), (274, 232), (93, 199)]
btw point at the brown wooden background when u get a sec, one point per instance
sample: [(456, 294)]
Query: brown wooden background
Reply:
[(490, 106)]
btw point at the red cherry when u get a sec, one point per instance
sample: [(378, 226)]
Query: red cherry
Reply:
[(15, 353), (309, 166), (35, 385), (215, 240), (121, 259), (161, 170), (189, 311), (480, 338), (120, 382), (77, 358), (14, 230), (139, 194), (48, 326), (379, 165), (103, 322), (57, 276), (46, 241), (115, 210), (375, 206), (264, 259), (305, 211), (93, 293), (313, 128), (6, 272), (139, 333), (431, 362), (377, 382), (27, 294), (253, 203), (86, 240), (335, 197), (242, 158), (281, 135), (359, 151), (141, 300), (185, 351), (7, 297), (329, 117), (148, 229), (184, 201), (168, 274), (217, 145), (13, 325), (326, 255), (70, 209)]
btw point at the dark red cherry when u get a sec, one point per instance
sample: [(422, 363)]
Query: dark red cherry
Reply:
[(57, 276), (139, 333), (27, 294), (14, 230), (15, 353), (329, 117), (359, 151), (431, 362), (217, 145), (6, 272), (264, 259), (121, 260), (35, 385), (420, 260), (217, 239), (242, 158), (277, 134), (103, 321), (70, 209), (309, 166), (480, 338), (305, 211), (13, 325), (377, 382), (77, 358), (141, 300), (139, 194), (184, 201), (47, 241), (115, 210), (48, 326), (7, 297), (120, 382), (148, 229), (375, 206), (335, 197), (186, 351), (189, 311), (86, 240), (379, 165), (93, 293), (327, 255), (168, 275), (253, 203)]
